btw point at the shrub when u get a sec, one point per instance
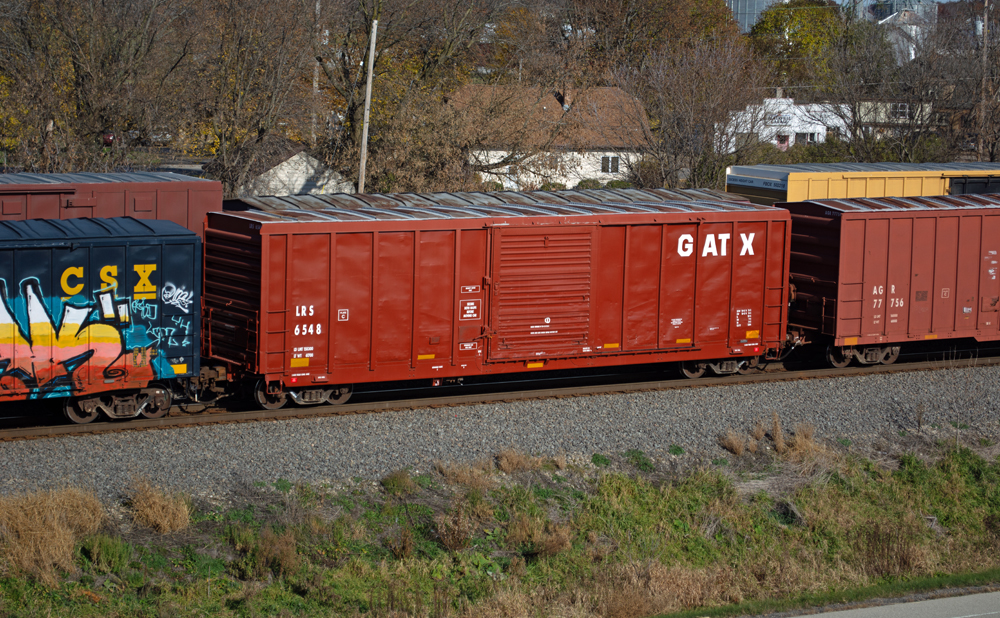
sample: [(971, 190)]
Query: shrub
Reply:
[(618, 184), (454, 528), (107, 553), (552, 186), (154, 508), (600, 460), (588, 183), (399, 483)]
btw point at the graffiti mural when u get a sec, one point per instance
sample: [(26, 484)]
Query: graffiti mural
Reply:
[(52, 346)]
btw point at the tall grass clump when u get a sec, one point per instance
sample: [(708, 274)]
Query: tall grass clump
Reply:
[(39, 531), (154, 508)]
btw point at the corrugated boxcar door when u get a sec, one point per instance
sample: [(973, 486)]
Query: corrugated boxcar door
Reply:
[(308, 285), (876, 253), (542, 286)]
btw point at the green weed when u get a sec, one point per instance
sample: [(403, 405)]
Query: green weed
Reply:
[(600, 460), (640, 461)]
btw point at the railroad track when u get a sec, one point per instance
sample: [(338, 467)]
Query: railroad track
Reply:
[(212, 416)]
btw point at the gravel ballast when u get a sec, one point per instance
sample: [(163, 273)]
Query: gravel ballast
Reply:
[(220, 459)]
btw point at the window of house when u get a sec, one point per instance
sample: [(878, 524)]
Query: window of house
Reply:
[(609, 165), (900, 111), (805, 138)]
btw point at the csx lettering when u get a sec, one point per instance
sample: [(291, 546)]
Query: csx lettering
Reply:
[(715, 244), (68, 288), (144, 288), (72, 279)]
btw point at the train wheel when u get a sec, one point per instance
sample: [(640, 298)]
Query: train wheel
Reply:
[(340, 394), (266, 400), (692, 370), (74, 412), (750, 365), (890, 355), (157, 393), (836, 357)]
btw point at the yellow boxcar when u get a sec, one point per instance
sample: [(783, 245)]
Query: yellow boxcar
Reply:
[(767, 184)]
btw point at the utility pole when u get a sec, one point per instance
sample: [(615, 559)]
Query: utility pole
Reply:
[(368, 103), (980, 149), (315, 78)]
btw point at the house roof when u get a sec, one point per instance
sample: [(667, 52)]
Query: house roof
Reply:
[(512, 117)]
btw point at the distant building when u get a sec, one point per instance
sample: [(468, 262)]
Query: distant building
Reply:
[(783, 123), (528, 138), (290, 170), (747, 12)]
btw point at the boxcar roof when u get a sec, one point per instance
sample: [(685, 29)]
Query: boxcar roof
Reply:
[(462, 199), (88, 229), (93, 178), (781, 172), (443, 211), (940, 202)]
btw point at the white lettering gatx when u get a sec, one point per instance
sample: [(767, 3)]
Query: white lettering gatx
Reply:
[(715, 244)]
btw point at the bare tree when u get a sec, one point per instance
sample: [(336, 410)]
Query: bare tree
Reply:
[(703, 102), (253, 68), (74, 71)]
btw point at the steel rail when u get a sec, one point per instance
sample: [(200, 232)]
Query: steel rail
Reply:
[(179, 420)]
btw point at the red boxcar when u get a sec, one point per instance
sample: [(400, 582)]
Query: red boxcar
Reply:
[(142, 195), (310, 302), (871, 274)]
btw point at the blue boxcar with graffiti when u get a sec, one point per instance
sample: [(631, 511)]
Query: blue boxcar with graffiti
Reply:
[(105, 313)]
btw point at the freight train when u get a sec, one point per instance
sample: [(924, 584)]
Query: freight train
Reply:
[(173, 297)]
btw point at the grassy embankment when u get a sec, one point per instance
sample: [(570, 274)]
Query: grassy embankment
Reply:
[(784, 522)]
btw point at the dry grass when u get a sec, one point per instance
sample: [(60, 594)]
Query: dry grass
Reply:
[(475, 477), (278, 551), (399, 483), (39, 531), (401, 546), (778, 436), (752, 446), (758, 431), (531, 536), (559, 461), (510, 461), (732, 442), (454, 529), (154, 508)]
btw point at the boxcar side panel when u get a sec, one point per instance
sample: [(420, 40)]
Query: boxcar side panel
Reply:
[(471, 307), (922, 294), (945, 275), (749, 284), (393, 316), (967, 275), (714, 264), (897, 286), (307, 308), (642, 281), (989, 284), (434, 285), (678, 287), (353, 281), (609, 279)]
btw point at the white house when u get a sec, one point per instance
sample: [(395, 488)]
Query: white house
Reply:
[(292, 171), (782, 122), (527, 139)]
